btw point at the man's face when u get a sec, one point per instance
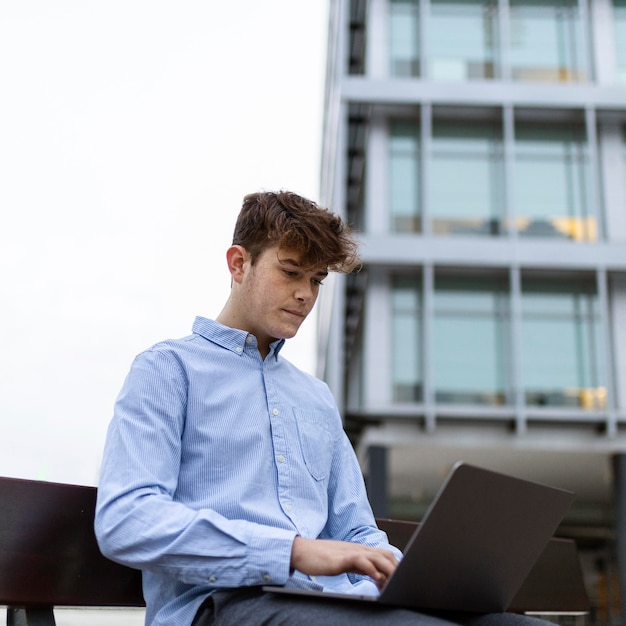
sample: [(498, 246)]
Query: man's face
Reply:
[(278, 294)]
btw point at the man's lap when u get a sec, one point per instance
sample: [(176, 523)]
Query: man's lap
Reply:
[(254, 607)]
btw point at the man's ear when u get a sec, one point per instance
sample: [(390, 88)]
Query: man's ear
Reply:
[(238, 259)]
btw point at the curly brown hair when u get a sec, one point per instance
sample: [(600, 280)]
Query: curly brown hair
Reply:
[(290, 221)]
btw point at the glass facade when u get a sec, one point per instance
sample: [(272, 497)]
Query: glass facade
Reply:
[(470, 341), (463, 40), (498, 172), (407, 340), (472, 155), (561, 355), (404, 37), (546, 41), (619, 20), (551, 190), (550, 196), (404, 176)]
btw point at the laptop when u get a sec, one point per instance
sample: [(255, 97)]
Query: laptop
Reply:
[(477, 543), (554, 585)]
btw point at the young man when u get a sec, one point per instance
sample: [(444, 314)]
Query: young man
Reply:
[(226, 468)]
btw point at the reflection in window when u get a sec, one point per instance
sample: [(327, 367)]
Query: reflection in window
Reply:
[(619, 18), (551, 183), (545, 41), (463, 39), (562, 364), (472, 156), (406, 339), (470, 341), (404, 177), (404, 37)]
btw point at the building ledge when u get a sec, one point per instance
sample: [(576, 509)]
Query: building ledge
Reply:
[(406, 250), (399, 91)]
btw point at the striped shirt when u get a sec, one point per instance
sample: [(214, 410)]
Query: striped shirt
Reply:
[(214, 461)]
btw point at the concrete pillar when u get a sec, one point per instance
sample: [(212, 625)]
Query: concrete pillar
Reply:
[(619, 503), (377, 475)]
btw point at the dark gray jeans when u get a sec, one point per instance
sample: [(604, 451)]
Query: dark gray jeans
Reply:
[(253, 607)]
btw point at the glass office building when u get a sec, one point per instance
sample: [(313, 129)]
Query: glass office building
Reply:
[(479, 148)]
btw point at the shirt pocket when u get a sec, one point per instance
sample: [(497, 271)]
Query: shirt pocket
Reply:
[(316, 442)]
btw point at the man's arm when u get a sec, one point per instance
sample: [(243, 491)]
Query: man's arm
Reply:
[(350, 514), (322, 557), (138, 521), (350, 542)]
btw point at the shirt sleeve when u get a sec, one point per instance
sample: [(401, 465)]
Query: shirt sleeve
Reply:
[(138, 521)]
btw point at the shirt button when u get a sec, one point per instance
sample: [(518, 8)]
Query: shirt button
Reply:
[(287, 507), (249, 339), (267, 578), (238, 349), (274, 411), (281, 459), (212, 579)]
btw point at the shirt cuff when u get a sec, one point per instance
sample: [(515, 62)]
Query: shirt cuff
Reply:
[(270, 558)]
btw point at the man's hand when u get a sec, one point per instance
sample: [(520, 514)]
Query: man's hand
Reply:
[(321, 557)]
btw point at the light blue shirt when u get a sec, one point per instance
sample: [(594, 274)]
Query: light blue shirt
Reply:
[(214, 461)]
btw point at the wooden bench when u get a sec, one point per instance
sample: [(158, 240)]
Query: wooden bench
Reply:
[(49, 558)]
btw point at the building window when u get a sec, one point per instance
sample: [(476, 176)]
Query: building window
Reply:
[(619, 19), (545, 41), (551, 191), (404, 177), (473, 156), (463, 40), (561, 355), (404, 37), (406, 337), (470, 343)]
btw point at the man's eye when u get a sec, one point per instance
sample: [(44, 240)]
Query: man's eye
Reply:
[(318, 282)]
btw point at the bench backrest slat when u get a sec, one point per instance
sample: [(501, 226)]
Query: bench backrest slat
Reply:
[(48, 550)]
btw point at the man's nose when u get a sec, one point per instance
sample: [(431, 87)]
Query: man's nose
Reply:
[(304, 291)]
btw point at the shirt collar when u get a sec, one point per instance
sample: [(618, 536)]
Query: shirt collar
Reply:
[(232, 339)]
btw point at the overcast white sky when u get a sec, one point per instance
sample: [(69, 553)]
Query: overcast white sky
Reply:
[(130, 130)]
